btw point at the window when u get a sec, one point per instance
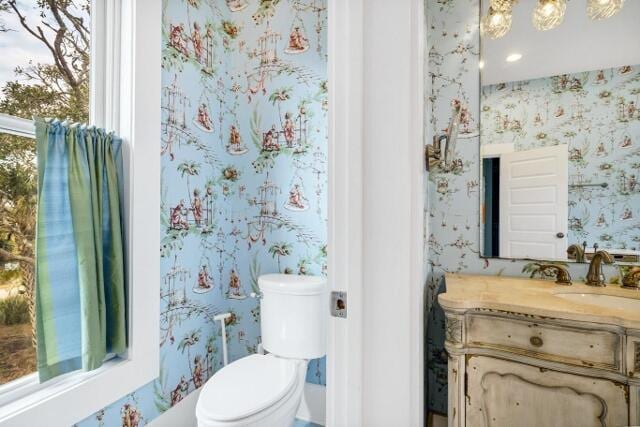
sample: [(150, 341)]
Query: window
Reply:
[(103, 61), (46, 75), (46, 51), (17, 224)]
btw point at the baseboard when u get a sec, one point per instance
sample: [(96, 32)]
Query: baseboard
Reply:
[(313, 405), (183, 414)]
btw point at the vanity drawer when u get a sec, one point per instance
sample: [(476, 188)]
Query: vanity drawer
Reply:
[(563, 344)]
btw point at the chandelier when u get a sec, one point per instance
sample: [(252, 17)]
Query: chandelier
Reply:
[(547, 14)]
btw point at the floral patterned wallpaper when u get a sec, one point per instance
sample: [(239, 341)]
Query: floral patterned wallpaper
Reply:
[(244, 180), (452, 234), (596, 114)]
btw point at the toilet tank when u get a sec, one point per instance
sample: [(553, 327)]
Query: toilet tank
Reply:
[(294, 312)]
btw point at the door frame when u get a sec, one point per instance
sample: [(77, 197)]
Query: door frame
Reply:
[(345, 71), (376, 254)]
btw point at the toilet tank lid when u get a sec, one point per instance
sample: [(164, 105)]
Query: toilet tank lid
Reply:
[(292, 284)]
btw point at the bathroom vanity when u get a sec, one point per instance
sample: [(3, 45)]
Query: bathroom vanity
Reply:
[(553, 134), (527, 352)]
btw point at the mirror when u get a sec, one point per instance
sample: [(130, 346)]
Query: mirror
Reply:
[(560, 129)]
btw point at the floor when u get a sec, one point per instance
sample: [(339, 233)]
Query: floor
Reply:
[(300, 423), (438, 421)]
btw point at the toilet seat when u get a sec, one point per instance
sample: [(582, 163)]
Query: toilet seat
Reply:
[(246, 387)]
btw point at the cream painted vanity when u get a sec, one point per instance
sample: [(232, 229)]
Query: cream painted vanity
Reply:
[(527, 352)]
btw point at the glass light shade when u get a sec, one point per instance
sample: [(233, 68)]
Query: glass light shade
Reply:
[(496, 23), (549, 14), (504, 5), (602, 9)]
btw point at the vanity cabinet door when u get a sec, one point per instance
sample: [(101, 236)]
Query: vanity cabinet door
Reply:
[(500, 393)]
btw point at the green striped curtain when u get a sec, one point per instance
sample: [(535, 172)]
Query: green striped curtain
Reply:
[(80, 282)]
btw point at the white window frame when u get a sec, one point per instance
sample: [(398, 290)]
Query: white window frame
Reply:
[(125, 80), (16, 126)]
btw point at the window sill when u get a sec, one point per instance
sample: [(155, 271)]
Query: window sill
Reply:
[(80, 394)]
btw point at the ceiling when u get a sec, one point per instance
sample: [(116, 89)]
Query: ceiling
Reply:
[(577, 44)]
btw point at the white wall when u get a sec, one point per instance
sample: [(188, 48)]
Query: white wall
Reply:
[(393, 206)]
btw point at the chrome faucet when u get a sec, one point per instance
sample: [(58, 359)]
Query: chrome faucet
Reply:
[(595, 276)]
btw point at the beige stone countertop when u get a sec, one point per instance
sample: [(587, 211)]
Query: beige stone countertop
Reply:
[(537, 297)]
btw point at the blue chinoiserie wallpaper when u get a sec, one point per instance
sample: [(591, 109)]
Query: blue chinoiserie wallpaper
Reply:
[(244, 180), (452, 234)]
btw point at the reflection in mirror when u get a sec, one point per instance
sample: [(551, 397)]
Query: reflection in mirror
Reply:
[(560, 130)]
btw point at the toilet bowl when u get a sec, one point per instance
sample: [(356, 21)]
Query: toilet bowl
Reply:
[(266, 390), (257, 390)]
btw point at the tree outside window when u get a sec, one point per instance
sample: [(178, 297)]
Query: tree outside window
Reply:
[(44, 72)]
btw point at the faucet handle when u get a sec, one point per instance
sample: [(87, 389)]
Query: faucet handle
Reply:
[(631, 280), (561, 273)]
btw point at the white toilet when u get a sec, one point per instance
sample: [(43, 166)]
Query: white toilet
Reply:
[(266, 390)]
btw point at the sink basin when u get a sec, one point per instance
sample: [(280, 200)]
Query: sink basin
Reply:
[(602, 300)]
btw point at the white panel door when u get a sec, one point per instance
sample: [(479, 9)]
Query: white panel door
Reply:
[(534, 193)]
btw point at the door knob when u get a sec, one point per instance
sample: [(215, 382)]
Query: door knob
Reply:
[(560, 235)]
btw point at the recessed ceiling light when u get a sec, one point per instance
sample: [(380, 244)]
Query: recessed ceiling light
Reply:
[(481, 65), (514, 57)]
